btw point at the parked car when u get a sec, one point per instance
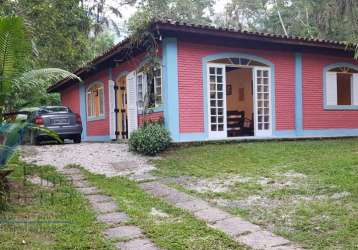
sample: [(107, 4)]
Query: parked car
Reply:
[(60, 119)]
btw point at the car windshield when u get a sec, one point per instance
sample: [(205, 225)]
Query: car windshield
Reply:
[(54, 110)]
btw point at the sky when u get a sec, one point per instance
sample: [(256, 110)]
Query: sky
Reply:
[(128, 11)]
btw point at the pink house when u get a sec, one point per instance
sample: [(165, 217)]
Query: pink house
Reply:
[(216, 84)]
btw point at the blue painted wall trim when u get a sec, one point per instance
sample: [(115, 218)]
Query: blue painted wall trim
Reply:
[(282, 134), (189, 137), (208, 58), (100, 138), (170, 87), (83, 113), (298, 94), (316, 133), (325, 70)]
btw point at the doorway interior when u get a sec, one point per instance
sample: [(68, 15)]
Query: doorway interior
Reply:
[(239, 98), (239, 101)]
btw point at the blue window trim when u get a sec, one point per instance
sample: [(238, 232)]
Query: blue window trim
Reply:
[(325, 70), (152, 110), (207, 59), (100, 117), (298, 94)]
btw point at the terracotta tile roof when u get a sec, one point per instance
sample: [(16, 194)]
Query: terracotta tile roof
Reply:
[(165, 25)]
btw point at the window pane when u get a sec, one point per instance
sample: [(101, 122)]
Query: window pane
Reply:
[(101, 108), (344, 95), (213, 127)]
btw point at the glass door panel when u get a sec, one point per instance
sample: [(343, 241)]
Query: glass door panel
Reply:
[(217, 101), (262, 88)]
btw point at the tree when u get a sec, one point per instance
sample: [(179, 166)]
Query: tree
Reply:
[(104, 12), (197, 12), (15, 49), (326, 19), (61, 38)]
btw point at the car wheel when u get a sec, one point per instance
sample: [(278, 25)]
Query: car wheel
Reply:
[(77, 139), (33, 139)]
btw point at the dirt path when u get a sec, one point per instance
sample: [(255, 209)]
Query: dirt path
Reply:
[(109, 159)]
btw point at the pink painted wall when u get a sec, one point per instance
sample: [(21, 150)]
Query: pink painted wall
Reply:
[(155, 116), (314, 114), (99, 127), (190, 77), (70, 97)]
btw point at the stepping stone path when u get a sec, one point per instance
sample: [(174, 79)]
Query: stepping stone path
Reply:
[(240, 230), (126, 237)]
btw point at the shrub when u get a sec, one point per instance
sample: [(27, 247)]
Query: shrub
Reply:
[(150, 139)]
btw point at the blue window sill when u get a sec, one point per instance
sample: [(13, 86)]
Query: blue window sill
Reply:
[(152, 110), (341, 107), (98, 118)]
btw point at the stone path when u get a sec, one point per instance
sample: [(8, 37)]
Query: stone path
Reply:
[(240, 230), (126, 237)]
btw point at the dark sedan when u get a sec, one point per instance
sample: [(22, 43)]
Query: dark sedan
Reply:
[(59, 119)]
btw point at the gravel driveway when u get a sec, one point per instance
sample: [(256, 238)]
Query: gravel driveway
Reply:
[(110, 159)]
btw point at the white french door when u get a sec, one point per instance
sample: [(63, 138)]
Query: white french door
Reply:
[(216, 75), (131, 86), (262, 101)]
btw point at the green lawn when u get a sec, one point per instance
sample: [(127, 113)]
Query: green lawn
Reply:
[(168, 227), (306, 191), (57, 218)]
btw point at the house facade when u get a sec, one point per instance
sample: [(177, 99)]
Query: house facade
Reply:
[(218, 84)]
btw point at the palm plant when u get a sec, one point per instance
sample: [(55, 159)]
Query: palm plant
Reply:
[(15, 54)]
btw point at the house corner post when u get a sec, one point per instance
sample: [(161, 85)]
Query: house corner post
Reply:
[(171, 89), (82, 90), (298, 95)]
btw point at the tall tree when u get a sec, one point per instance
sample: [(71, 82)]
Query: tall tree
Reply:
[(15, 48), (61, 38), (104, 13), (63, 31), (193, 11), (327, 19)]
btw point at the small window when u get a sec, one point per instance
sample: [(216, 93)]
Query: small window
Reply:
[(158, 87), (140, 90), (149, 89), (342, 87), (95, 101)]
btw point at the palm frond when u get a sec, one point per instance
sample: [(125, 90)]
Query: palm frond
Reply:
[(14, 46), (38, 76)]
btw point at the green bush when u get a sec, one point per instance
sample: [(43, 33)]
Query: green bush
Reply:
[(150, 139)]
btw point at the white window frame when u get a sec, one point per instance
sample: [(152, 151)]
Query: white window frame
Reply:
[(90, 103), (330, 89), (156, 85), (142, 89)]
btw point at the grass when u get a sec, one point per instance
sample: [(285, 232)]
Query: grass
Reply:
[(57, 218), (177, 230), (305, 210)]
